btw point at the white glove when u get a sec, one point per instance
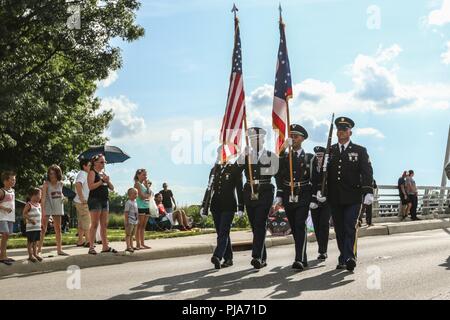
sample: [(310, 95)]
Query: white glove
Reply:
[(240, 214), (289, 142), (278, 201), (202, 212), (320, 198), (368, 199), (313, 205)]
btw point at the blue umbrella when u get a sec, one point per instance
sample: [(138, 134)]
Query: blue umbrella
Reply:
[(112, 154)]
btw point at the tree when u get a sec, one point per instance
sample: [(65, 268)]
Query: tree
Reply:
[(48, 78)]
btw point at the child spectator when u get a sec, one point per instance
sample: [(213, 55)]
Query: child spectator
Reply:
[(7, 213), (32, 216), (52, 204), (131, 218)]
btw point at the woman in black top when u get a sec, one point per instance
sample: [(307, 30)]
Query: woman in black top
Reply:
[(99, 185)]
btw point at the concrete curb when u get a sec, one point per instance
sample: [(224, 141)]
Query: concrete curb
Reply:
[(25, 268)]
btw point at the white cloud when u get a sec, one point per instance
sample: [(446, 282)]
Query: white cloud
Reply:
[(376, 89), (125, 123), (369, 132), (441, 16), (112, 77), (446, 55), (388, 54)]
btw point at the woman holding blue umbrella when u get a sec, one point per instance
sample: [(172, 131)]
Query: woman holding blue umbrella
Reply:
[(98, 202)]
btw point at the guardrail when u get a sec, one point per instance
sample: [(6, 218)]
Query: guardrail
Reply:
[(431, 200)]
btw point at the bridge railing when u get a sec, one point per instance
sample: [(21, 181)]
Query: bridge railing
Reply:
[(431, 200)]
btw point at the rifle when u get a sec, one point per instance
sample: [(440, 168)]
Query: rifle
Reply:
[(207, 197), (323, 170)]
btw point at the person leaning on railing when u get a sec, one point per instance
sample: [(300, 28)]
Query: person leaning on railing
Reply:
[(411, 189)]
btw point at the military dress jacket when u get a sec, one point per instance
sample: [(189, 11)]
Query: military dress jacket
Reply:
[(350, 175)]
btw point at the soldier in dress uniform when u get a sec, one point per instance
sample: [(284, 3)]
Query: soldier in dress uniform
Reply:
[(320, 208), (350, 178), (225, 186), (296, 206), (258, 197)]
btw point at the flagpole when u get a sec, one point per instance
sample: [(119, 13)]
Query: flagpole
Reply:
[(250, 170), (291, 176)]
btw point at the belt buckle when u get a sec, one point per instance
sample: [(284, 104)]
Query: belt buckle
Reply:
[(254, 196), (293, 198), (254, 188)]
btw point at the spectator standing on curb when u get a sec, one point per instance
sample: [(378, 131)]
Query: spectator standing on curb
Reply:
[(141, 184), (81, 199), (7, 213), (98, 202), (52, 205), (131, 218), (33, 217)]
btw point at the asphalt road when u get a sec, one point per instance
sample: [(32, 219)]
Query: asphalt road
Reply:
[(402, 266)]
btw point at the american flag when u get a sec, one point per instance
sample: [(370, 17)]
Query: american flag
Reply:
[(231, 131), (283, 91)]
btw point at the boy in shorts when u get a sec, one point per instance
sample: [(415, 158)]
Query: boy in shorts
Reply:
[(131, 218), (7, 213)]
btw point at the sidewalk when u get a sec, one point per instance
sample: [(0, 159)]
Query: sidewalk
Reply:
[(179, 247)]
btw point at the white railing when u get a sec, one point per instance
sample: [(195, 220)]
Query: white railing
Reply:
[(431, 200)]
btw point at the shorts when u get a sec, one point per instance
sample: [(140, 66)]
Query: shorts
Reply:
[(130, 230), (6, 227), (84, 219), (144, 211), (33, 236), (98, 204), (404, 201)]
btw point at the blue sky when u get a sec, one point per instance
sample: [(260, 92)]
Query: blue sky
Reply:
[(385, 64)]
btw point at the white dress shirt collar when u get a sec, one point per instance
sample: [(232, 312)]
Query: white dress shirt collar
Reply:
[(345, 145)]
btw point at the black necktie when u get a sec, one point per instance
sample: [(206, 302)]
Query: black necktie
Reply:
[(342, 148)]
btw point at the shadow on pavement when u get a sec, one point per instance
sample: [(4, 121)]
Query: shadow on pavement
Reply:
[(285, 281), (446, 264)]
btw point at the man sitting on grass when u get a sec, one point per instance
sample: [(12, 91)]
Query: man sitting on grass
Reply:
[(178, 215)]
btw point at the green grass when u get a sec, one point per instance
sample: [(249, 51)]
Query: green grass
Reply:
[(70, 238)]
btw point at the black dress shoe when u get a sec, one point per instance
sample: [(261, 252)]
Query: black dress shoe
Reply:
[(216, 262), (340, 266), (297, 265), (263, 264), (256, 263), (351, 264), (227, 263), (322, 256)]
